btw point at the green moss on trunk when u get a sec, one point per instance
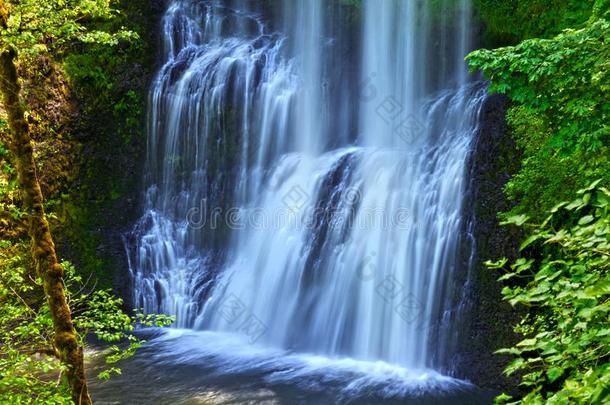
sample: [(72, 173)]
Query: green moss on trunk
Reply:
[(45, 259)]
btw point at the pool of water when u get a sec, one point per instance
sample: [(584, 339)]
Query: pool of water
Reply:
[(186, 367)]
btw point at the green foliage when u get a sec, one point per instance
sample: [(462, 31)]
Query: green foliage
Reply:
[(93, 76), (9, 210), (563, 280), (601, 9), (508, 22), (21, 334), (82, 34), (29, 370), (86, 33), (99, 111), (560, 116), (36, 27), (559, 121), (101, 316), (111, 118)]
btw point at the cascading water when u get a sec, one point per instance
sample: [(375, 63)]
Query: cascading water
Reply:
[(216, 98), (289, 205)]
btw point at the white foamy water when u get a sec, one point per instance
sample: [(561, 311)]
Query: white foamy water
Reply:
[(231, 354), (309, 196)]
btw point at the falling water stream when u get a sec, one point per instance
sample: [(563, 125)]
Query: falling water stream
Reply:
[(305, 179)]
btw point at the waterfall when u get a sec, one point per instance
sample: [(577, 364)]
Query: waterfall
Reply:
[(306, 194)]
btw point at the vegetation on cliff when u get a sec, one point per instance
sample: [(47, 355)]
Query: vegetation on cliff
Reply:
[(38, 319), (559, 120), (563, 279), (29, 369), (509, 22)]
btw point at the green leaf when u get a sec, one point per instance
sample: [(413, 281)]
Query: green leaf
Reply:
[(554, 373), (517, 220), (530, 240), (586, 220)]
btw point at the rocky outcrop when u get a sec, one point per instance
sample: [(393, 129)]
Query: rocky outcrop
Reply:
[(103, 201), (489, 320)]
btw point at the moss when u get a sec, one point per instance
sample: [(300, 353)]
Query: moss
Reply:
[(509, 22), (45, 258), (86, 115), (109, 87)]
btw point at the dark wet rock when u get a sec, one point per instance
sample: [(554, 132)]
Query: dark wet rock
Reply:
[(489, 320)]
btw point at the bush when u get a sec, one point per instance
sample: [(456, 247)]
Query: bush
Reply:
[(29, 369), (563, 280), (560, 112)]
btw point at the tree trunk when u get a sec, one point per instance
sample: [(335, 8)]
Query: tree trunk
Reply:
[(43, 249)]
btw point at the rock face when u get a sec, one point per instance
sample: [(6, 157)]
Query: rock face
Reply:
[(489, 320), (105, 196)]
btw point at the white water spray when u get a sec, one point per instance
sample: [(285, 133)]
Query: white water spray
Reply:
[(264, 218)]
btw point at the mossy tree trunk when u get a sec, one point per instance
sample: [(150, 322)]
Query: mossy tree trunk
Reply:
[(67, 346)]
